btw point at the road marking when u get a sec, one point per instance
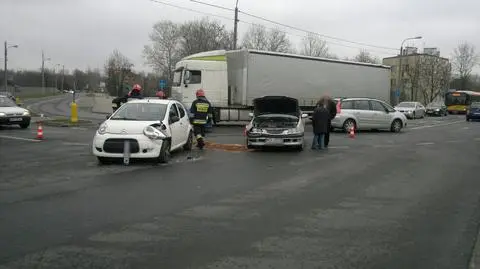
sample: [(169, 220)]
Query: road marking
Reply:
[(19, 138), (338, 147), (454, 141), (425, 143), (436, 125), (75, 144), (384, 146)]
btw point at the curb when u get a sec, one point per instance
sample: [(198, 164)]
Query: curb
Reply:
[(56, 123)]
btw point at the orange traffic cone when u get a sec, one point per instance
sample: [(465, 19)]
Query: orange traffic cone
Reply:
[(39, 131), (352, 133)]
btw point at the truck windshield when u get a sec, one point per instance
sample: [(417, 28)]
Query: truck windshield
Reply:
[(177, 78)]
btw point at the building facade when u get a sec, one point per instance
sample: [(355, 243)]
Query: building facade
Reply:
[(422, 77)]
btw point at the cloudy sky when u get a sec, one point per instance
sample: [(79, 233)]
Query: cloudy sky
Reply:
[(82, 33)]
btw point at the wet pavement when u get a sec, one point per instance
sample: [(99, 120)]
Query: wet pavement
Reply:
[(381, 200)]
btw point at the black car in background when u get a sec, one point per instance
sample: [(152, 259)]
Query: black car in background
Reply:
[(473, 111), (436, 109)]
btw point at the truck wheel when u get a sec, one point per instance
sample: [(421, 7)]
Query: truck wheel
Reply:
[(349, 124), (164, 156)]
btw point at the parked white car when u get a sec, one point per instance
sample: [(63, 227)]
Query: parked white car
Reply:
[(153, 128), (412, 110), (368, 114)]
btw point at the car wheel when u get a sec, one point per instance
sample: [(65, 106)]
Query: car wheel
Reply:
[(189, 144), (24, 125), (164, 156), (349, 124), (396, 126), (468, 119), (104, 160)]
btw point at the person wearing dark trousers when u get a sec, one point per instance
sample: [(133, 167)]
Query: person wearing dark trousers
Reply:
[(202, 111), (332, 109), (320, 120)]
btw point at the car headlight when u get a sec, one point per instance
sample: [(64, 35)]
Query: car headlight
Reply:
[(437, 109), (2, 114), (256, 130), (153, 133), (292, 131), (102, 129), (26, 113)]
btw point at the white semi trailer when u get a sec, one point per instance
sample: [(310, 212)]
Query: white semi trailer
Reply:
[(232, 79)]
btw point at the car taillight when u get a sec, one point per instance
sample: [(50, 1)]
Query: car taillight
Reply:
[(339, 107)]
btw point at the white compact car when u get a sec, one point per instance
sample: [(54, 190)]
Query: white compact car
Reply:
[(152, 128), (367, 114), (277, 122)]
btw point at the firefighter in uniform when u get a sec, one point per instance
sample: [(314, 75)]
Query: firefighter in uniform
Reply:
[(202, 111)]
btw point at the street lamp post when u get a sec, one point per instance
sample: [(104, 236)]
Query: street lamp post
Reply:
[(6, 65), (400, 75), (43, 71), (56, 75)]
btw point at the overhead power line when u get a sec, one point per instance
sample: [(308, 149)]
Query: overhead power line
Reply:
[(271, 28), (189, 9), (310, 32)]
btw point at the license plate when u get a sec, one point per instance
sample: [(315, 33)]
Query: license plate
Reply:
[(275, 141), (16, 119)]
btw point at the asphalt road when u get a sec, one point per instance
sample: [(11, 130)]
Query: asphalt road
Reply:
[(60, 106), (381, 200)]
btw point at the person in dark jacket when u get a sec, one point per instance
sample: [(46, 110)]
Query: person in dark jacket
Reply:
[(202, 111), (320, 121), (332, 110)]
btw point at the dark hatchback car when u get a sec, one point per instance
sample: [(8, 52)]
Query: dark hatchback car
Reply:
[(473, 111), (436, 109)]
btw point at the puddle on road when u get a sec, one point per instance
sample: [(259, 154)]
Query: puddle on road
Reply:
[(226, 147)]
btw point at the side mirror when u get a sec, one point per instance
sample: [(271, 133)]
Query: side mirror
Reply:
[(186, 79), (304, 116), (250, 114), (108, 116)]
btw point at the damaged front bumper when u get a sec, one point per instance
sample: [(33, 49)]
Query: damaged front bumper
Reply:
[(269, 140)]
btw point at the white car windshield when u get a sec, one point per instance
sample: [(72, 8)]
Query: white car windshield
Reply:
[(6, 102), (141, 112), (406, 104)]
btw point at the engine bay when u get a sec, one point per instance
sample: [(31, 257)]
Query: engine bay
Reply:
[(275, 122)]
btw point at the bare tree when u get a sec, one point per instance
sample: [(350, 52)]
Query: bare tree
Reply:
[(365, 57), (412, 74), (164, 51), (204, 35), (257, 37), (117, 68), (313, 45), (464, 60), (435, 72)]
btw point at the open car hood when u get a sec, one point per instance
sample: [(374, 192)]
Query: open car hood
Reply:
[(276, 105)]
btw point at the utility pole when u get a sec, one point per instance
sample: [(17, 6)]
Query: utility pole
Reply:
[(43, 73), (63, 76), (5, 68), (235, 25)]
